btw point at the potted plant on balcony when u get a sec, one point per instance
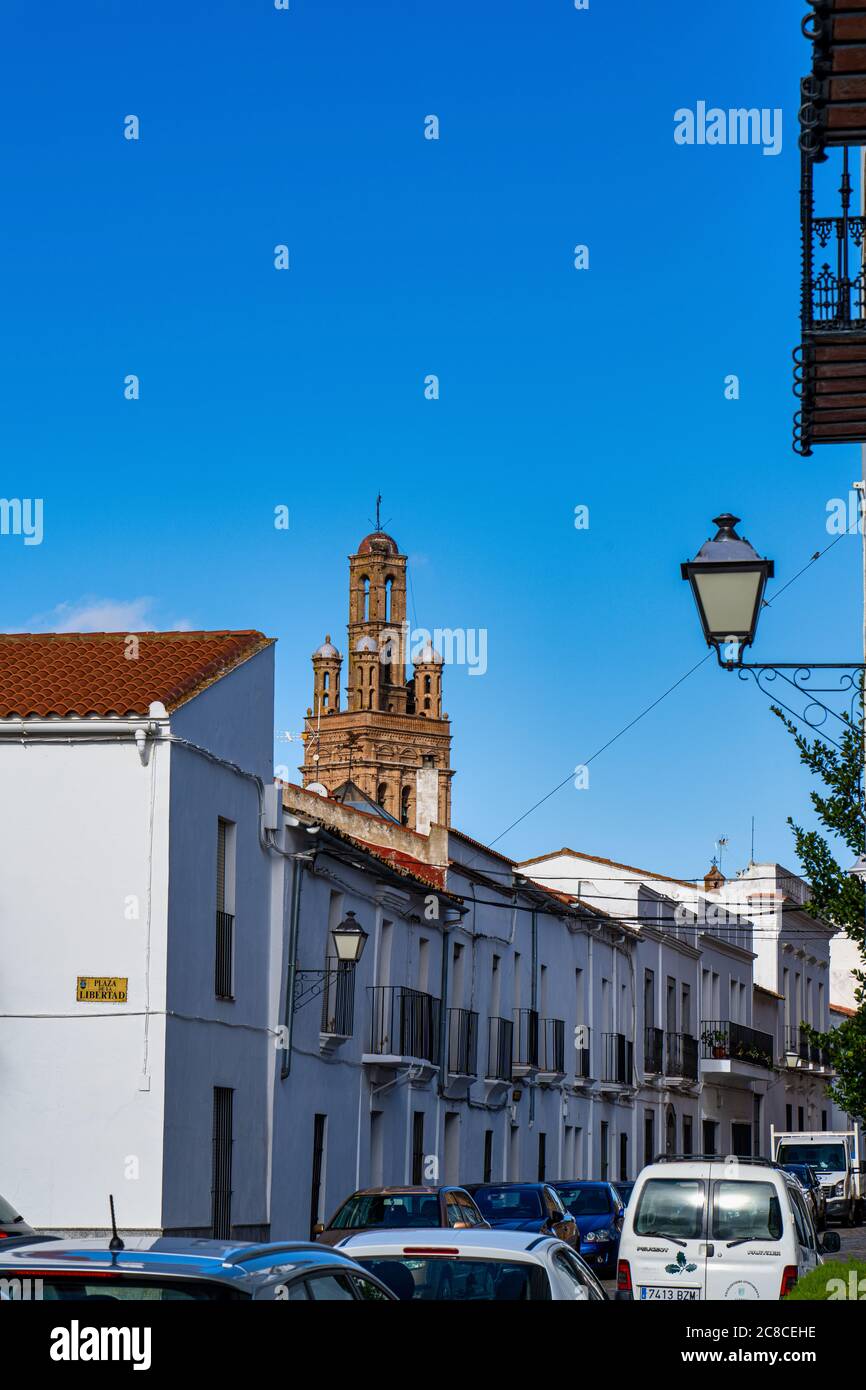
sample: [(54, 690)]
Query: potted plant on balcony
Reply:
[(750, 1052), (716, 1040)]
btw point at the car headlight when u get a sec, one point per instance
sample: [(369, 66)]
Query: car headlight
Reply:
[(596, 1236), (839, 1190)]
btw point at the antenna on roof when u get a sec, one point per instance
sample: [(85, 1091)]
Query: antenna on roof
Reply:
[(753, 839), (115, 1243)]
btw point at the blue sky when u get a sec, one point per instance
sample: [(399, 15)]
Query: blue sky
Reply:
[(408, 256)]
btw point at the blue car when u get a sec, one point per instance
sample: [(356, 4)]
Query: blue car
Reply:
[(524, 1206), (174, 1269), (598, 1211)]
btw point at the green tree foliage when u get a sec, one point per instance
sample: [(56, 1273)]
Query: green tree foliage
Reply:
[(836, 897)]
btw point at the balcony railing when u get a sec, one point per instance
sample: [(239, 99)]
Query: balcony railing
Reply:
[(404, 1023), (723, 1040), (830, 363), (681, 1055), (338, 998), (617, 1054), (796, 1041), (582, 1054), (224, 958), (653, 1051), (552, 1046), (462, 1042), (500, 1046), (525, 1039)]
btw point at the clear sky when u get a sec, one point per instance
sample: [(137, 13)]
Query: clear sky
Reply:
[(408, 256)]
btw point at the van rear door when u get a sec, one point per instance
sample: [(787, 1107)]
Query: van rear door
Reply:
[(667, 1250), (752, 1239)]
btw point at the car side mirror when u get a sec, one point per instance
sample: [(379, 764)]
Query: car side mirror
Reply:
[(831, 1243)]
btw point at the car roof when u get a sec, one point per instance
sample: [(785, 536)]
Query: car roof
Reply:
[(173, 1256), (476, 1186), (479, 1242), (580, 1182), (406, 1191)]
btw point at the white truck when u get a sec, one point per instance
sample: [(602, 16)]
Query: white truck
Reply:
[(835, 1157)]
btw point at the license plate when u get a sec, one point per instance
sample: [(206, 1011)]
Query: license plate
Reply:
[(654, 1291)]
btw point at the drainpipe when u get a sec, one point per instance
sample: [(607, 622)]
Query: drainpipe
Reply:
[(294, 918), (534, 1003)]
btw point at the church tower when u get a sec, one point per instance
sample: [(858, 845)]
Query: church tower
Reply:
[(389, 739)]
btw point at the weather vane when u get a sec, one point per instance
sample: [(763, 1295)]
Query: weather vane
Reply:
[(378, 513)]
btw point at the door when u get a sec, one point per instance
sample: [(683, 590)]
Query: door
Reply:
[(747, 1230), (741, 1140), (665, 1237), (316, 1212)]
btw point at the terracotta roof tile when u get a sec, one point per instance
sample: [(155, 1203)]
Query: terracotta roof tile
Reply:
[(89, 673)]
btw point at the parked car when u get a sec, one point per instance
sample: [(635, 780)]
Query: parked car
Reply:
[(479, 1266), (598, 1211), (695, 1230), (170, 1269), (401, 1207), (623, 1191), (11, 1223), (816, 1195), (525, 1206)]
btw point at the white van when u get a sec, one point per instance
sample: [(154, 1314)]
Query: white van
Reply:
[(716, 1228)]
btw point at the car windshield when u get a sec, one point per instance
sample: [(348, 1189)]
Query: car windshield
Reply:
[(7, 1214), (746, 1211), (434, 1277), (52, 1285), (586, 1201), (670, 1207), (624, 1191), (824, 1158), (509, 1203), (395, 1209)]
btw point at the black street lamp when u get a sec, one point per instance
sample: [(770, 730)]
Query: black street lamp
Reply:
[(728, 578), (349, 940)]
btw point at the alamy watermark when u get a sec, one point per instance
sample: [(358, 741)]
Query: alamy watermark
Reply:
[(711, 125), (459, 646), (22, 516)]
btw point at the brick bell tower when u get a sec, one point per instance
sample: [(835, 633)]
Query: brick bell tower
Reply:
[(389, 736)]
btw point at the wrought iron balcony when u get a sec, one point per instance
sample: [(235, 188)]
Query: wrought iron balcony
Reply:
[(833, 110), (224, 956), (525, 1041), (462, 1042), (551, 1056), (617, 1058), (338, 998), (653, 1051), (830, 363), (500, 1047), (681, 1055), (404, 1023), (722, 1040), (796, 1041)]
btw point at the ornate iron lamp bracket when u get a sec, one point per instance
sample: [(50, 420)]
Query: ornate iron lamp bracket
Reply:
[(311, 984), (792, 686)]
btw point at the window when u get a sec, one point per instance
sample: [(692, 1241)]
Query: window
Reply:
[(381, 794), (605, 1163), (789, 1118), (365, 598), (580, 1278), (623, 1157), (649, 1142), (746, 1211), (225, 921), (434, 1278), (672, 1207), (405, 794), (542, 1156), (221, 1173), (802, 1220), (801, 1117), (331, 1288), (368, 1291), (710, 1131)]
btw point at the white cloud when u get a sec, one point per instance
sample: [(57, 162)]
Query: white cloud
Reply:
[(102, 615)]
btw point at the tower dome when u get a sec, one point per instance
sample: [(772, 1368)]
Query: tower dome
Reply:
[(366, 644), (327, 650), (378, 543)]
